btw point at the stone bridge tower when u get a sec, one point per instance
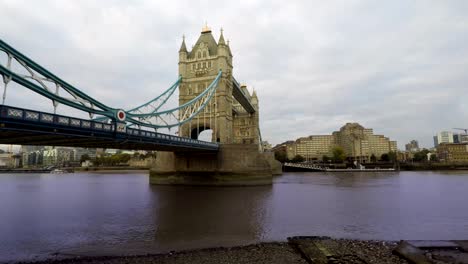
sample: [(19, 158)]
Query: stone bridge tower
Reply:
[(234, 123), (198, 69)]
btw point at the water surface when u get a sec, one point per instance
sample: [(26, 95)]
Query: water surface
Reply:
[(120, 213)]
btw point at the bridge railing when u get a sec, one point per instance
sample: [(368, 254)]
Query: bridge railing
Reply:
[(15, 114), (52, 119)]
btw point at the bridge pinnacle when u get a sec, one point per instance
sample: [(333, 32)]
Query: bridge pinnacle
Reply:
[(221, 38), (183, 48)]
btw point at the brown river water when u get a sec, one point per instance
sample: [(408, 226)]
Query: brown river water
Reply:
[(42, 215)]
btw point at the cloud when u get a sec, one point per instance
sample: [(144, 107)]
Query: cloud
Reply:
[(398, 67)]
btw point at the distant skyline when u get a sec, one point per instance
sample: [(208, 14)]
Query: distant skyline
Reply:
[(398, 67)]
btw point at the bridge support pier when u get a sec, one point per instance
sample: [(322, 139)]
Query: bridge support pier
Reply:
[(232, 165)]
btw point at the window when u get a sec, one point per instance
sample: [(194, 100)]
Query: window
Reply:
[(199, 54), (198, 66), (204, 54), (204, 64), (209, 64), (193, 66), (189, 91)]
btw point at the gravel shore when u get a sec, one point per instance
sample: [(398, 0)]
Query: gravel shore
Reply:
[(343, 250), (275, 253)]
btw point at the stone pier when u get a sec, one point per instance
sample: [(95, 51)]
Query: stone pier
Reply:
[(232, 165)]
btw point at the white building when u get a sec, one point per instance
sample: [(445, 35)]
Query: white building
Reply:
[(443, 137), (58, 156)]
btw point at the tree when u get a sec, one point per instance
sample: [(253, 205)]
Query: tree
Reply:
[(392, 156), (280, 155), (385, 157), (84, 158), (298, 158), (434, 157), (325, 158), (338, 154), (421, 156), (373, 158)]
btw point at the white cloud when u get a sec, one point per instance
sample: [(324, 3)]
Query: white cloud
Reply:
[(398, 67)]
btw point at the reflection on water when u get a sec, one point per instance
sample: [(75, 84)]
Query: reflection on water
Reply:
[(193, 216), (107, 214)]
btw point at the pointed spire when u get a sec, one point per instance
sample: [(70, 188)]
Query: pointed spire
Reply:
[(254, 93), (183, 48), (221, 38)]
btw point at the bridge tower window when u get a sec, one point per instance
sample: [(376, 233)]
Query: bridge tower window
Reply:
[(204, 64), (199, 55), (204, 54), (209, 64)]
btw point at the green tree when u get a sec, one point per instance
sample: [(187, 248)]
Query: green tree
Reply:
[(338, 154), (385, 157), (280, 155), (84, 158), (325, 158), (298, 158), (373, 158), (392, 156), (421, 156), (434, 157)]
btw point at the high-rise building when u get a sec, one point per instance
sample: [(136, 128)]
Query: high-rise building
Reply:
[(57, 156), (413, 146), (460, 138), (443, 137)]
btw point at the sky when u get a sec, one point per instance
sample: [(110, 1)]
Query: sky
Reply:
[(399, 67)]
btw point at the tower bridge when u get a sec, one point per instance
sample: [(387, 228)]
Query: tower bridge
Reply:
[(210, 98)]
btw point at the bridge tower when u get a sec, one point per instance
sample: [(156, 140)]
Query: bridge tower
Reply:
[(232, 116), (198, 69)]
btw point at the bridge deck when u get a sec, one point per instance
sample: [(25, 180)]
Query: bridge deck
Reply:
[(27, 127), (241, 97)]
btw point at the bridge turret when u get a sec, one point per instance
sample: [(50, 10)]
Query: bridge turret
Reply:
[(183, 50), (254, 99), (224, 52), (183, 56)]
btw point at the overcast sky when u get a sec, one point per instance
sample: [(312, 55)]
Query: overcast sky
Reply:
[(399, 67)]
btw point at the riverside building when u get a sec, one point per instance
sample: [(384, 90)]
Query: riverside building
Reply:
[(453, 152), (358, 143)]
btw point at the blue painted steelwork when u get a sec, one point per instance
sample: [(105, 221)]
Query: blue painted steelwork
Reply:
[(185, 112), (88, 104), (21, 126), (22, 59), (154, 104)]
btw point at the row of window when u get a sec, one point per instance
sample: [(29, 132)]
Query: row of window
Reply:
[(200, 54), (201, 65)]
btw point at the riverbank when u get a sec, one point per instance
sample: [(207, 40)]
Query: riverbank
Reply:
[(110, 168), (300, 250), (403, 166)]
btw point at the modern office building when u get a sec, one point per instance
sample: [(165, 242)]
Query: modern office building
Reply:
[(460, 138), (443, 137), (412, 146), (57, 156)]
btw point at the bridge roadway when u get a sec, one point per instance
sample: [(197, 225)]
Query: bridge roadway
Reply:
[(28, 127)]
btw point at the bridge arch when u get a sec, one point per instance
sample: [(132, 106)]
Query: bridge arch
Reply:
[(203, 132)]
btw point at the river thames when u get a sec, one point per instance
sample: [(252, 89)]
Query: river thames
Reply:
[(42, 215)]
